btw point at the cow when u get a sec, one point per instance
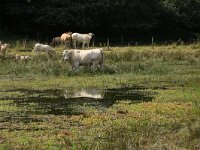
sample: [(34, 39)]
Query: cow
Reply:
[(76, 58), (17, 57), (3, 49), (81, 38), (55, 41), (41, 47), (66, 38), (25, 58), (0, 46)]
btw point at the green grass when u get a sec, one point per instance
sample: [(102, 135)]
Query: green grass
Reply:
[(170, 121)]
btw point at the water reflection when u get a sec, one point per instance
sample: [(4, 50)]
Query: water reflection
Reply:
[(72, 101), (87, 93)]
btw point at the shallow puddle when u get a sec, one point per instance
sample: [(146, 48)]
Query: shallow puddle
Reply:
[(74, 101)]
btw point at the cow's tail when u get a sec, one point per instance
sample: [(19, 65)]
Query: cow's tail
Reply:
[(102, 60)]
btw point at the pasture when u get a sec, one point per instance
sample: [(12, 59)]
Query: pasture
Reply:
[(157, 104)]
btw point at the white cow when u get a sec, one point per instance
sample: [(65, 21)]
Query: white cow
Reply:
[(76, 58), (81, 38), (3, 49), (0, 45), (41, 47), (25, 58)]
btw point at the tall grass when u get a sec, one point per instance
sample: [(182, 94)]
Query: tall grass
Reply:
[(138, 55), (142, 60)]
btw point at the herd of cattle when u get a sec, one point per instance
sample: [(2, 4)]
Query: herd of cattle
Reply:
[(75, 57), (74, 38)]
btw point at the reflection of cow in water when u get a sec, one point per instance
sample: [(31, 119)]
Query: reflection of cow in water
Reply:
[(89, 93)]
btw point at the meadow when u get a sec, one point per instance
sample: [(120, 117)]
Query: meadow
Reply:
[(169, 76)]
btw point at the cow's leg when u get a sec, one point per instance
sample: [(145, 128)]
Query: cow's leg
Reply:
[(83, 44), (76, 66), (65, 44), (94, 65), (101, 65), (36, 52), (88, 45), (3, 54), (77, 44), (74, 44), (68, 44)]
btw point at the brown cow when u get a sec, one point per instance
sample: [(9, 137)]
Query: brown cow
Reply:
[(55, 41), (66, 38)]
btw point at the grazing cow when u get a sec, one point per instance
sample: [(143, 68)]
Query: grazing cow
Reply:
[(55, 41), (3, 49), (81, 38), (66, 38), (17, 57), (89, 93), (25, 58), (41, 47), (76, 58)]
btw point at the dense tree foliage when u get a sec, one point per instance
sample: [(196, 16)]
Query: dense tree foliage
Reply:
[(164, 18)]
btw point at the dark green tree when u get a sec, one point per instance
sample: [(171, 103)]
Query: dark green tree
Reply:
[(164, 18)]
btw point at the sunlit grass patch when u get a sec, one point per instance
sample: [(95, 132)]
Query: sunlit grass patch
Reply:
[(145, 122), (7, 106), (170, 74)]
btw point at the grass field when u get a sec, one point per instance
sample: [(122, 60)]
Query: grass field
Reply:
[(170, 120)]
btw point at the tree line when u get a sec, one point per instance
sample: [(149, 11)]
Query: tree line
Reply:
[(167, 19)]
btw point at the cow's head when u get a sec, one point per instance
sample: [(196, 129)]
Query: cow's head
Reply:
[(66, 55), (70, 33), (90, 34), (6, 45)]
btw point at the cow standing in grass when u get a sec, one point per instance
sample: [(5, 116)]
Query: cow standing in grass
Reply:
[(76, 58), (41, 47), (55, 41), (81, 38), (22, 57), (66, 39), (3, 49)]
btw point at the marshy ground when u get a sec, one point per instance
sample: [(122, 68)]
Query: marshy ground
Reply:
[(150, 100)]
